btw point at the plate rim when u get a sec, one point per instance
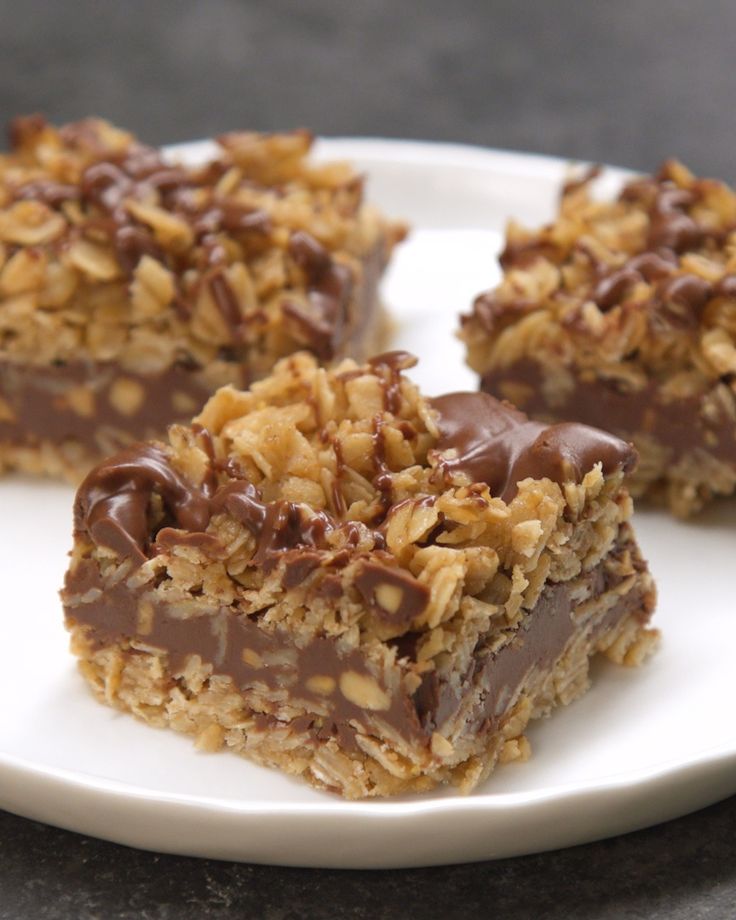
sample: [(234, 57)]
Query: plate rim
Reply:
[(719, 755), (454, 153)]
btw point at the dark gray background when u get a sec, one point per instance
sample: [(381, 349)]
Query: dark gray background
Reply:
[(625, 82), (621, 82)]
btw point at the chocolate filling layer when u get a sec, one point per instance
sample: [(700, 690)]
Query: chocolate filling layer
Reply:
[(236, 646), (681, 425), (87, 401)]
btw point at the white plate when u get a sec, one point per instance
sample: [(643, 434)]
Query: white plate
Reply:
[(641, 747)]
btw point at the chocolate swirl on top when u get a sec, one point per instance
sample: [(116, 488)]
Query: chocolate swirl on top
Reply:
[(496, 444), (113, 505), (113, 502)]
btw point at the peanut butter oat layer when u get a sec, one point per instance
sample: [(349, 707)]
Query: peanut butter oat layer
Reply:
[(623, 314), (131, 288), (332, 575)]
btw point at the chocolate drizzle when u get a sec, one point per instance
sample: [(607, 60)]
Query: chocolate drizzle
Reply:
[(494, 443), (383, 480), (492, 312), (51, 193), (679, 297), (670, 226), (333, 307), (113, 502), (393, 362), (611, 289), (122, 488), (684, 298), (329, 290), (279, 525), (113, 507), (139, 173), (648, 267)]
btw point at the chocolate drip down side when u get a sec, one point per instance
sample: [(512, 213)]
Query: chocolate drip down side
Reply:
[(492, 442)]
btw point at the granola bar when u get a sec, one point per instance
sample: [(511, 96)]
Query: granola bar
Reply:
[(622, 313), (131, 287), (334, 576)]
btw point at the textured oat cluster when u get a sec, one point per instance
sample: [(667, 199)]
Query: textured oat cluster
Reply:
[(322, 439), (359, 445), (638, 292), (110, 253)]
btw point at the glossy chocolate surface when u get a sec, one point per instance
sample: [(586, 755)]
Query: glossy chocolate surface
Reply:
[(496, 444)]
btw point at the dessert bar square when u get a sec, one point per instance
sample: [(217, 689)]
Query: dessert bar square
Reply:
[(340, 578), (132, 287), (622, 313)]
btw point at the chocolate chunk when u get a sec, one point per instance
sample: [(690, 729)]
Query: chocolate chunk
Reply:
[(395, 596), (298, 567)]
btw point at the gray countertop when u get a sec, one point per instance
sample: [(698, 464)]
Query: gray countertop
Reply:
[(628, 83), (683, 870)]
